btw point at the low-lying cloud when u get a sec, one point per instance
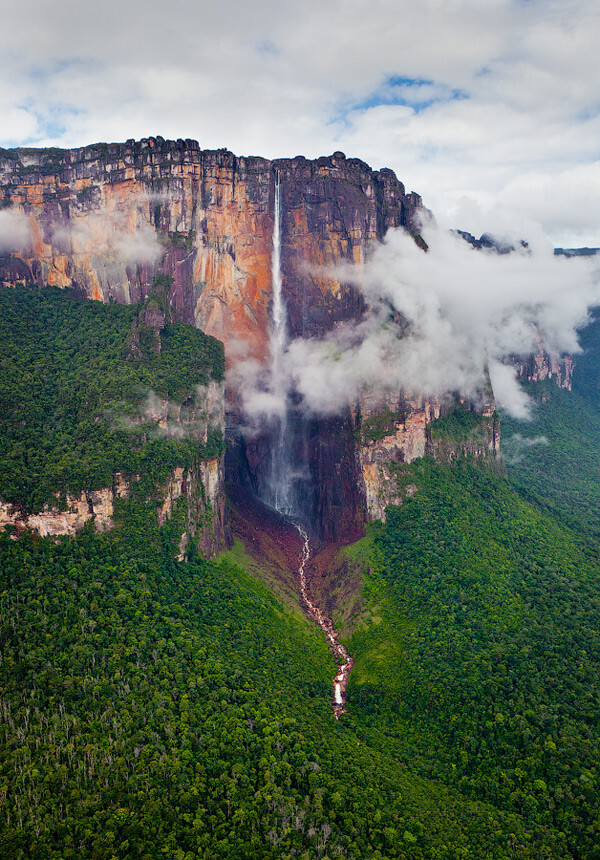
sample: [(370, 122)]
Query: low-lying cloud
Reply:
[(448, 320), (128, 240), (516, 446), (162, 418), (15, 233)]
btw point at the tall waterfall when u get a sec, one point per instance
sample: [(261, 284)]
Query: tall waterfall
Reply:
[(287, 488), (280, 489)]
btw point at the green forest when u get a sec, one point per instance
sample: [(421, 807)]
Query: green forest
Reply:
[(73, 390), (154, 708)]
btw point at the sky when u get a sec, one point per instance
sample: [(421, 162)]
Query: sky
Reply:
[(490, 109)]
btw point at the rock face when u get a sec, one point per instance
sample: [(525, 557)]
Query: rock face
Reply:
[(106, 219), (397, 431), (543, 366), (96, 505), (203, 491), (390, 433), (200, 486)]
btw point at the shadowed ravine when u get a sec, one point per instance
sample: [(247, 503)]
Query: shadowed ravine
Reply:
[(342, 658), (281, 545)]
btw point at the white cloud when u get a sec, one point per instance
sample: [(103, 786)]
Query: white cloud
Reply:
[(119, 235), (15, 234), (441, 322), (277, 79)]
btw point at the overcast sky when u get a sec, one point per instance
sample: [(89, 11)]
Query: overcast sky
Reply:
[(490, 109)]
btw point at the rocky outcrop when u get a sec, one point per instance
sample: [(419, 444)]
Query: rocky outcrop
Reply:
[(542, 366), (394, 431), (70, 516), (201, 488), (389, 432), (203, 491), (107, 219)]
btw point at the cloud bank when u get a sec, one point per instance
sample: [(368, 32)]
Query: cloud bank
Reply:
[(443, 321)]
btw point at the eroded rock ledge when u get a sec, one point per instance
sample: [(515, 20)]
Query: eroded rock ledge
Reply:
[(201, 488)]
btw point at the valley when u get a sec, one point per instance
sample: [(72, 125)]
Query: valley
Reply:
[(244, 617)]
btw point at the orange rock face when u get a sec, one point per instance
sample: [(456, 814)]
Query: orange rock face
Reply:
[(106, 219)]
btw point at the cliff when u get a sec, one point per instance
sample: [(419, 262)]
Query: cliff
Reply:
[(397, 431), (115, 220), (542, 366), (107, 218)]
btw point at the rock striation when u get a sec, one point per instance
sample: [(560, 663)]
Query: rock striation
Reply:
[(542, 366)]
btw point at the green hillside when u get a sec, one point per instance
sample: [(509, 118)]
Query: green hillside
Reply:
[(73, 391), (481, 667), (153, 708)]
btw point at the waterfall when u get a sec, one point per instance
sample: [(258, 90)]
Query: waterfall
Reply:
[(287, 480), (280, 488)]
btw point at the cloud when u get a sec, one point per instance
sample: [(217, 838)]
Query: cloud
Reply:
[(164, 418), (438, 322), (377, 82), (516, 446), (122, 236), (141, 246), (15, 234)]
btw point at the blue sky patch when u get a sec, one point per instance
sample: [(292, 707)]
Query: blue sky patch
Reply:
[(418, 94), (267, 48)]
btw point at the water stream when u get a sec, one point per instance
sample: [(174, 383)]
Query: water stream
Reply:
[(342, 658)]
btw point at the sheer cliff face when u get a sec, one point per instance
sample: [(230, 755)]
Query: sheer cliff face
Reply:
[(107, 219)]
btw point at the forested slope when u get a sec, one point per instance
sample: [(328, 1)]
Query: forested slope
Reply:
[(76, 383), (154, 708), (482, 665)]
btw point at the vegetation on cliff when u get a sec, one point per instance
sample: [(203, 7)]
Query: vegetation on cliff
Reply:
[(76, 401)]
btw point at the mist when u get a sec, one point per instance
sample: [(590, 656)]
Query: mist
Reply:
[(446, 320), (515, 448), (15, 233), (121, 237), (163, 418)]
